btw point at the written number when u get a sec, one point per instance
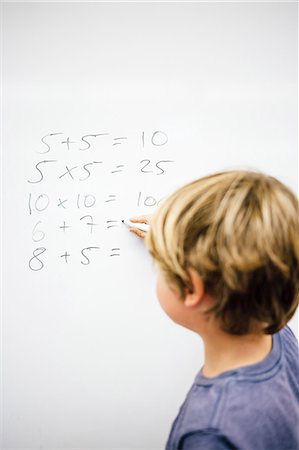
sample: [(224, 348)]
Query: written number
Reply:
[(149, 167)]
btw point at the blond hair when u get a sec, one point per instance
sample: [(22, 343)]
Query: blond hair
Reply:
[(240, 231)]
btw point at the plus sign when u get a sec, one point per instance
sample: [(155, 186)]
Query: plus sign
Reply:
[(64, 226), (65, 255), (68, 142)]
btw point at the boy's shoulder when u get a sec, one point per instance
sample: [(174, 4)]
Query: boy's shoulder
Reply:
[(228, 407), (290, 357), (289, 339)]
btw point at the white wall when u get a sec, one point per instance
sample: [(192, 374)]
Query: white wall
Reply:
[(88, 358)]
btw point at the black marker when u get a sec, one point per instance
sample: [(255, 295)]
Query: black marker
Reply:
[(140, 226)]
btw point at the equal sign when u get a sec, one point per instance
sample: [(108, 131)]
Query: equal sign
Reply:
[(118, 168), (115, 250), (111, 223), (111, 198), (119, 138)]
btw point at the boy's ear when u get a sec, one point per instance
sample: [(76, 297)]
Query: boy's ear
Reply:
[(194, 297)]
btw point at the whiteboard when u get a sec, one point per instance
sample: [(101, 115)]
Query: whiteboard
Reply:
[(125, 102)]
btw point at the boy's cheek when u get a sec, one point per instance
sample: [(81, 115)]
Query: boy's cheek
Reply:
[(159, 289), (163, 291), (168, 300)]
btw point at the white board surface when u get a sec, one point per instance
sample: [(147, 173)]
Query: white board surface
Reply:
[(125, 102)]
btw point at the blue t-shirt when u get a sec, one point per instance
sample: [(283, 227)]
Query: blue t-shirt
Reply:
[(251, 408)]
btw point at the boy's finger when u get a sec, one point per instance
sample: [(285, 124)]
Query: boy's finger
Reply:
[(140, 219), (138, 233)]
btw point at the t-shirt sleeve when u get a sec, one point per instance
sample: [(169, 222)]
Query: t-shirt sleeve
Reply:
[(205, 440)]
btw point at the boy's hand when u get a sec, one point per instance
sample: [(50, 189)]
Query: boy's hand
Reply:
[(140, 219)]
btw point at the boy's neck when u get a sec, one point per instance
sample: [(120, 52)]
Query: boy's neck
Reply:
[(225, 352)]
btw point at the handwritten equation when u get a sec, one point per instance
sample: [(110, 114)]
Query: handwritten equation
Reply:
[(61, 206)]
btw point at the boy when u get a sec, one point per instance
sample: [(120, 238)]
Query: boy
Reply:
[(227, 246)]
